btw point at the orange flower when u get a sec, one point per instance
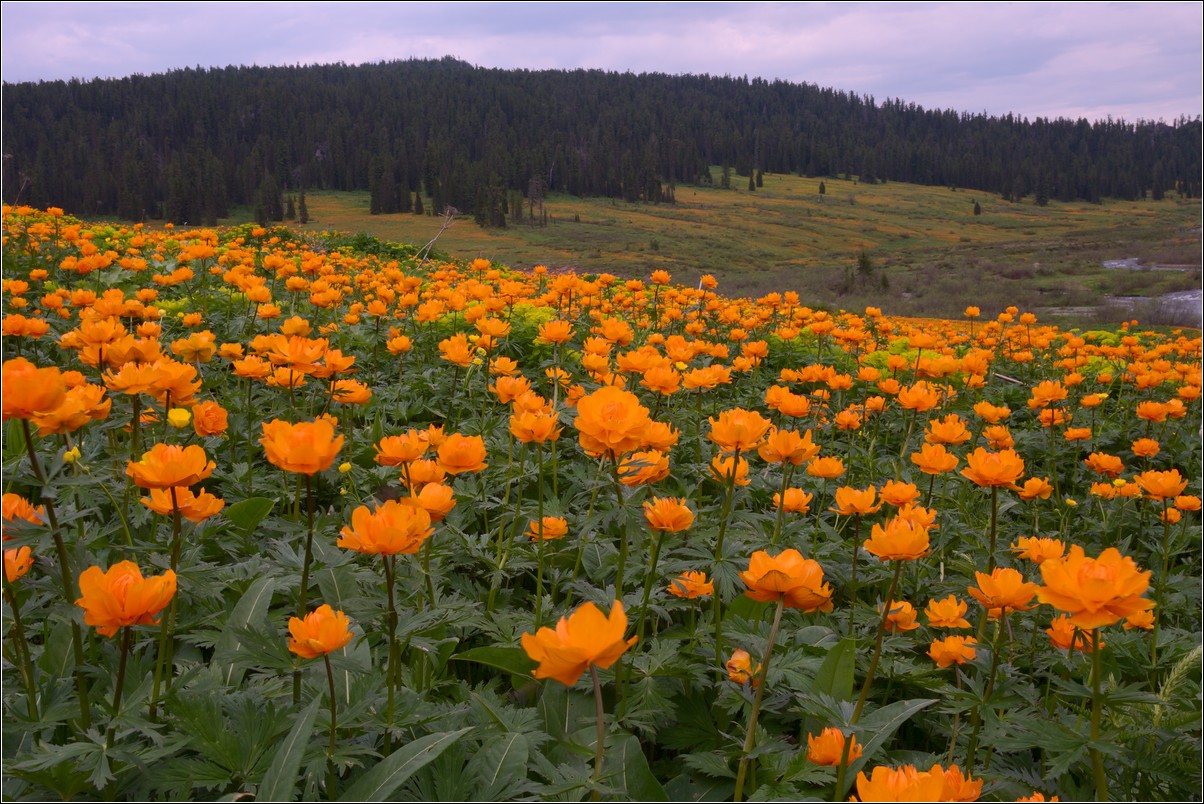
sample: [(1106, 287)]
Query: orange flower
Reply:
[(461, 453), (919, 397), (952, 650), (668, 515), (901, 616), (209, 418), (550, 527), (828, 747), (1146, 448), (435, 498), (949, 430), (1038, 549), (900, 784), (1063, 635), (555, 332), (534, 427), (1103, 464), (586, 637), (959, 787), (1161, 485), (1046, 393), (167, 465), (29, 390), (456, 350), (998, 437), (640, 468), (1140, 619), (898, 493), (934, 459), (399, 449), (305, 448), (826, 468), (193, 507), (80, 405), (787, 446), (507, 389), (122, 597), (610, 421), (738, 430), (987, 468), (991, 414), (692, 584), (1151, 411), (392, 528), (1036, 487), (947, 613), (799, 580), (723, 468), (1002, 591), (1095, 591), (323, 631), (741, 669), (851, 501), (797, 501), (17, 562), (899, 540)]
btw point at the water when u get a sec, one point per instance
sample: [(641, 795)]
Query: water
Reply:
[(1185, 307)]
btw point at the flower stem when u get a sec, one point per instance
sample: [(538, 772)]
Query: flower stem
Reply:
[(869, 675), (332, 778), (65, 575), (119, 686), (976, 718), (163, 663), (730, 491), (994, 523), (600, 717), (303, 594), (751, 737), (21, 649), (1097, 702), (391, 670)]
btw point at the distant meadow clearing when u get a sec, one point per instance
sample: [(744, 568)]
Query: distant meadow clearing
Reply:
[(300, 515)]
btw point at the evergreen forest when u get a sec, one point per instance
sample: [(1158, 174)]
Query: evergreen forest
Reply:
[(425, 135)]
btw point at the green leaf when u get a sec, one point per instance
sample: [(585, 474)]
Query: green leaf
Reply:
[(389, 774), (882, 724), (500, 767), (513, 660), (250, 512), (282, 773), (252, 606), (632, 773), (835, 676)]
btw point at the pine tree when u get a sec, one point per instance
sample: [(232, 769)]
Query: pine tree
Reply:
[(822, 189), (302, 210)]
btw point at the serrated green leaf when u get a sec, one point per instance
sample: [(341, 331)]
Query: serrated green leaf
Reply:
[(278, 782), (389, 774)]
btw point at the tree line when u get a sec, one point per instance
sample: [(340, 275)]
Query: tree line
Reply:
[(423, 135)]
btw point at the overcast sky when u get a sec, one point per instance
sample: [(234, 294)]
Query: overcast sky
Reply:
[(1128, 60)]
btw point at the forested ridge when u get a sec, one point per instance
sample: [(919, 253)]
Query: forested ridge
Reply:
[(190, 144)]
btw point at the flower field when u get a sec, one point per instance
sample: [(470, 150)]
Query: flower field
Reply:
[(308, 517)]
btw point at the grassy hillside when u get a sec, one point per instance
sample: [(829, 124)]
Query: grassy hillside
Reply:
[(928, 253)]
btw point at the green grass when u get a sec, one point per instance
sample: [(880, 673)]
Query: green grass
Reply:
[(931, 254)]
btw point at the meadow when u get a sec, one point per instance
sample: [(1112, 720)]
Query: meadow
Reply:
[(302, 515), (929, 255)]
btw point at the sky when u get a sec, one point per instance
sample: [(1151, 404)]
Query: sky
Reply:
[(1131, 61)]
